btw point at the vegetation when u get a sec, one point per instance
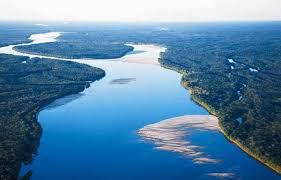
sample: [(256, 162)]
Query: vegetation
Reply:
[(8, 38), (231, 90), (26, 85), (81, 47), (11, 33)]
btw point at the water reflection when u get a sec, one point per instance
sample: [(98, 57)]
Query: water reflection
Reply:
[(63, 101), (122, 80)]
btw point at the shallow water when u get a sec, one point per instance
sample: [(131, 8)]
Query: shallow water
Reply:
[(93, 135)]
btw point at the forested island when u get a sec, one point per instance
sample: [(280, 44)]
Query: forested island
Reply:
[(78, 47), (27, 85)]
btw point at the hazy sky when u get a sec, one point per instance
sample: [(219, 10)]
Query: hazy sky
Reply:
[(140, 10)]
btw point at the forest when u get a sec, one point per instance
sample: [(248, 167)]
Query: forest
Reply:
[(232, 69), (218, 71), (15, 33), (26, 86), (78, 47)]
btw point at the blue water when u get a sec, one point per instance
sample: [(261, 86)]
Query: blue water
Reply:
[(93, 135)]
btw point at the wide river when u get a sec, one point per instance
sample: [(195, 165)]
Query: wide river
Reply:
[(94, 134)]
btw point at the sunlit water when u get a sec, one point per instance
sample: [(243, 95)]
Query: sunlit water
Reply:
[(93, 135)]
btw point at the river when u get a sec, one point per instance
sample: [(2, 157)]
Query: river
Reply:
[(95, 134)]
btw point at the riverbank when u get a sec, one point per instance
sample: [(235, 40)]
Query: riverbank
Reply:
[(28, 85), (150, 54), (275, 167)]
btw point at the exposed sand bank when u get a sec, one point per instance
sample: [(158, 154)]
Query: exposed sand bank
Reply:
[(44, 37), (148, 54), (171, 134)]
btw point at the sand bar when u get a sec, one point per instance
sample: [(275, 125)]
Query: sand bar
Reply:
[(171, 135)]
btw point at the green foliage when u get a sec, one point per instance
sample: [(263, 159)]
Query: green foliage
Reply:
[(15, 33), (26, 85), (82, 47), (237, 93)]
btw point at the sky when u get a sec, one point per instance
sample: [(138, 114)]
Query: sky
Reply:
[(140, 10)]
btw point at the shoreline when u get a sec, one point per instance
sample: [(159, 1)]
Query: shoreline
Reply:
[(58, 57), (237, 143), (250, 153), (150, 54), (271, 166), (33, 115), (30, 116)]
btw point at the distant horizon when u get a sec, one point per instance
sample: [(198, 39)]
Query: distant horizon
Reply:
[(141, 22), (140, 11)]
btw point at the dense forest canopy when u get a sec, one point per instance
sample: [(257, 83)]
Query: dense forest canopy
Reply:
[(15, 33), (79, 45)]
